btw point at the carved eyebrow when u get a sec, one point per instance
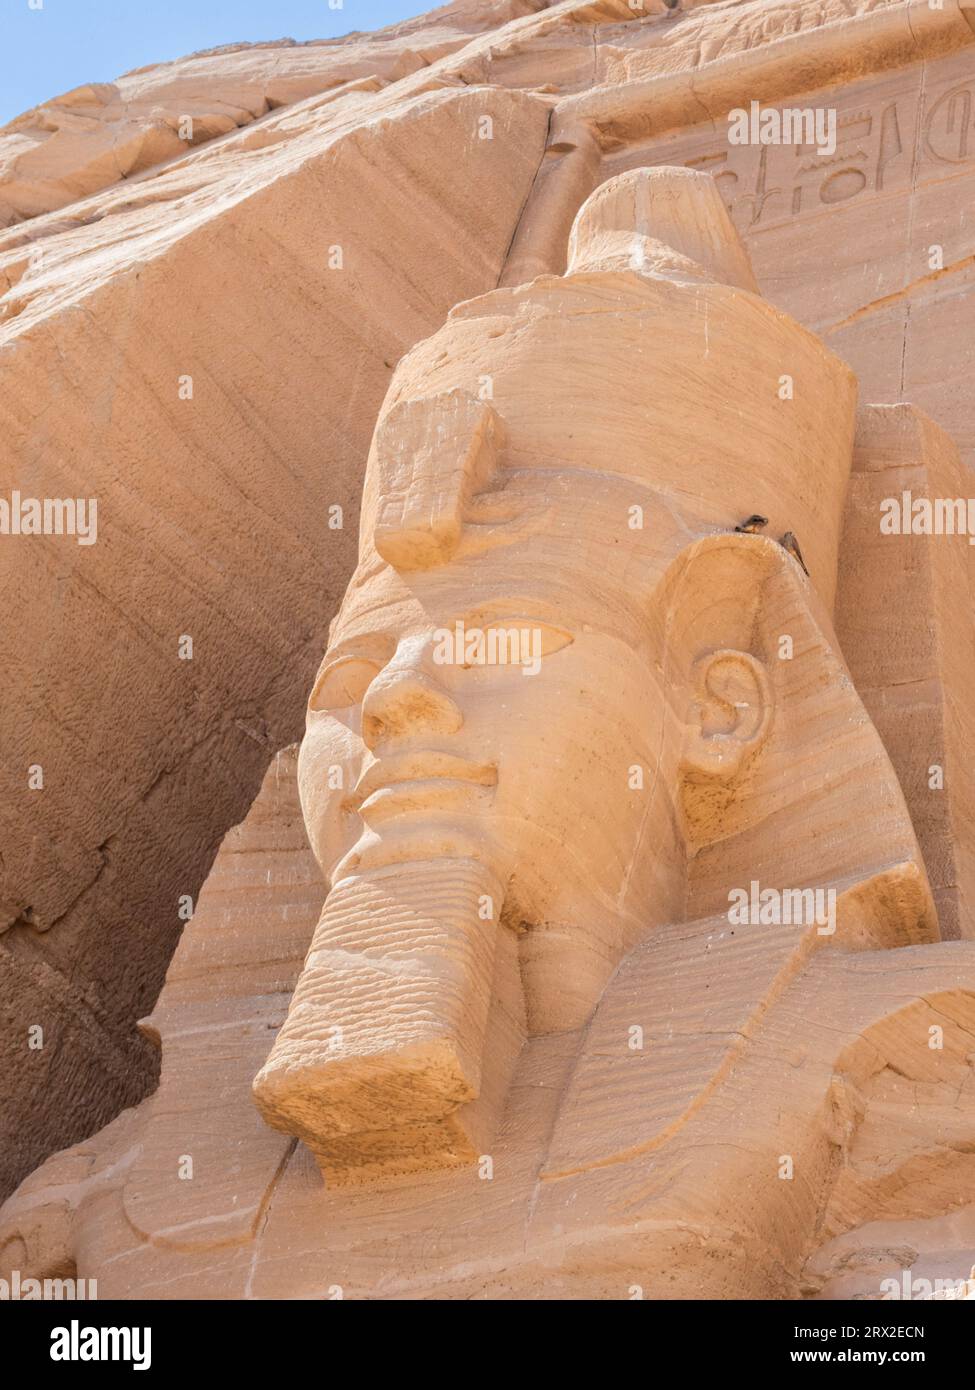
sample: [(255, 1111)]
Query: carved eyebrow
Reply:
[(513, 610)]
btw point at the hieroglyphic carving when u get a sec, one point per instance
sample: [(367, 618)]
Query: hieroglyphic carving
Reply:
[(767, 184), (948, 131)]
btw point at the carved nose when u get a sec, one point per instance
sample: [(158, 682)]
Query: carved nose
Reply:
[(405, 699)]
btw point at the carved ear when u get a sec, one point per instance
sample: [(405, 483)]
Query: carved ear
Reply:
[(730, 713)]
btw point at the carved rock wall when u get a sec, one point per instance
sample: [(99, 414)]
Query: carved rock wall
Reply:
[(214, 511), (214, 523)]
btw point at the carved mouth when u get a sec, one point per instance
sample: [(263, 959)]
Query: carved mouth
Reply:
[(421, 768)]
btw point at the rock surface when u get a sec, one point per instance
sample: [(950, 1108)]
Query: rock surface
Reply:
[(214, 348), (96, 135), (213, 263)]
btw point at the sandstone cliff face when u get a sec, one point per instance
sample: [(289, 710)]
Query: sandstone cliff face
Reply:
[(214, 346), (96, 135), (179, 339)]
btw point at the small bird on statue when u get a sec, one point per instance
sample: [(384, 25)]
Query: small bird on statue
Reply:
[(753, 524), (789, 543)]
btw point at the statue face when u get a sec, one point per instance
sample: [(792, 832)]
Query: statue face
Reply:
[(513, 706), (465, 704)]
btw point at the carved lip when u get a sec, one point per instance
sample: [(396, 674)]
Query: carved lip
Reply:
[(422, 766)]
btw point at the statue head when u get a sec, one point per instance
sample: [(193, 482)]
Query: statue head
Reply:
[(563, 697)]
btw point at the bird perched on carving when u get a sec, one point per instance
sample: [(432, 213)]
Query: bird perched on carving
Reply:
[(789, 543), (753, 524)]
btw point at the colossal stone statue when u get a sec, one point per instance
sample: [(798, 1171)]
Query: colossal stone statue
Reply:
[(564, 703), (602, 1000)]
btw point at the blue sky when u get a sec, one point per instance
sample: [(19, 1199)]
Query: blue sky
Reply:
[(67, 42)]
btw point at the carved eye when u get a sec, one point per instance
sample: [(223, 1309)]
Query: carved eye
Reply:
[(343, 683), (513, 642), (539, 639)]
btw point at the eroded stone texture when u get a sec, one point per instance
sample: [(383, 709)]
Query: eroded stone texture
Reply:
[(90, 138), (213, 382), (633, 1121), (904, 620), (611, 1162)]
